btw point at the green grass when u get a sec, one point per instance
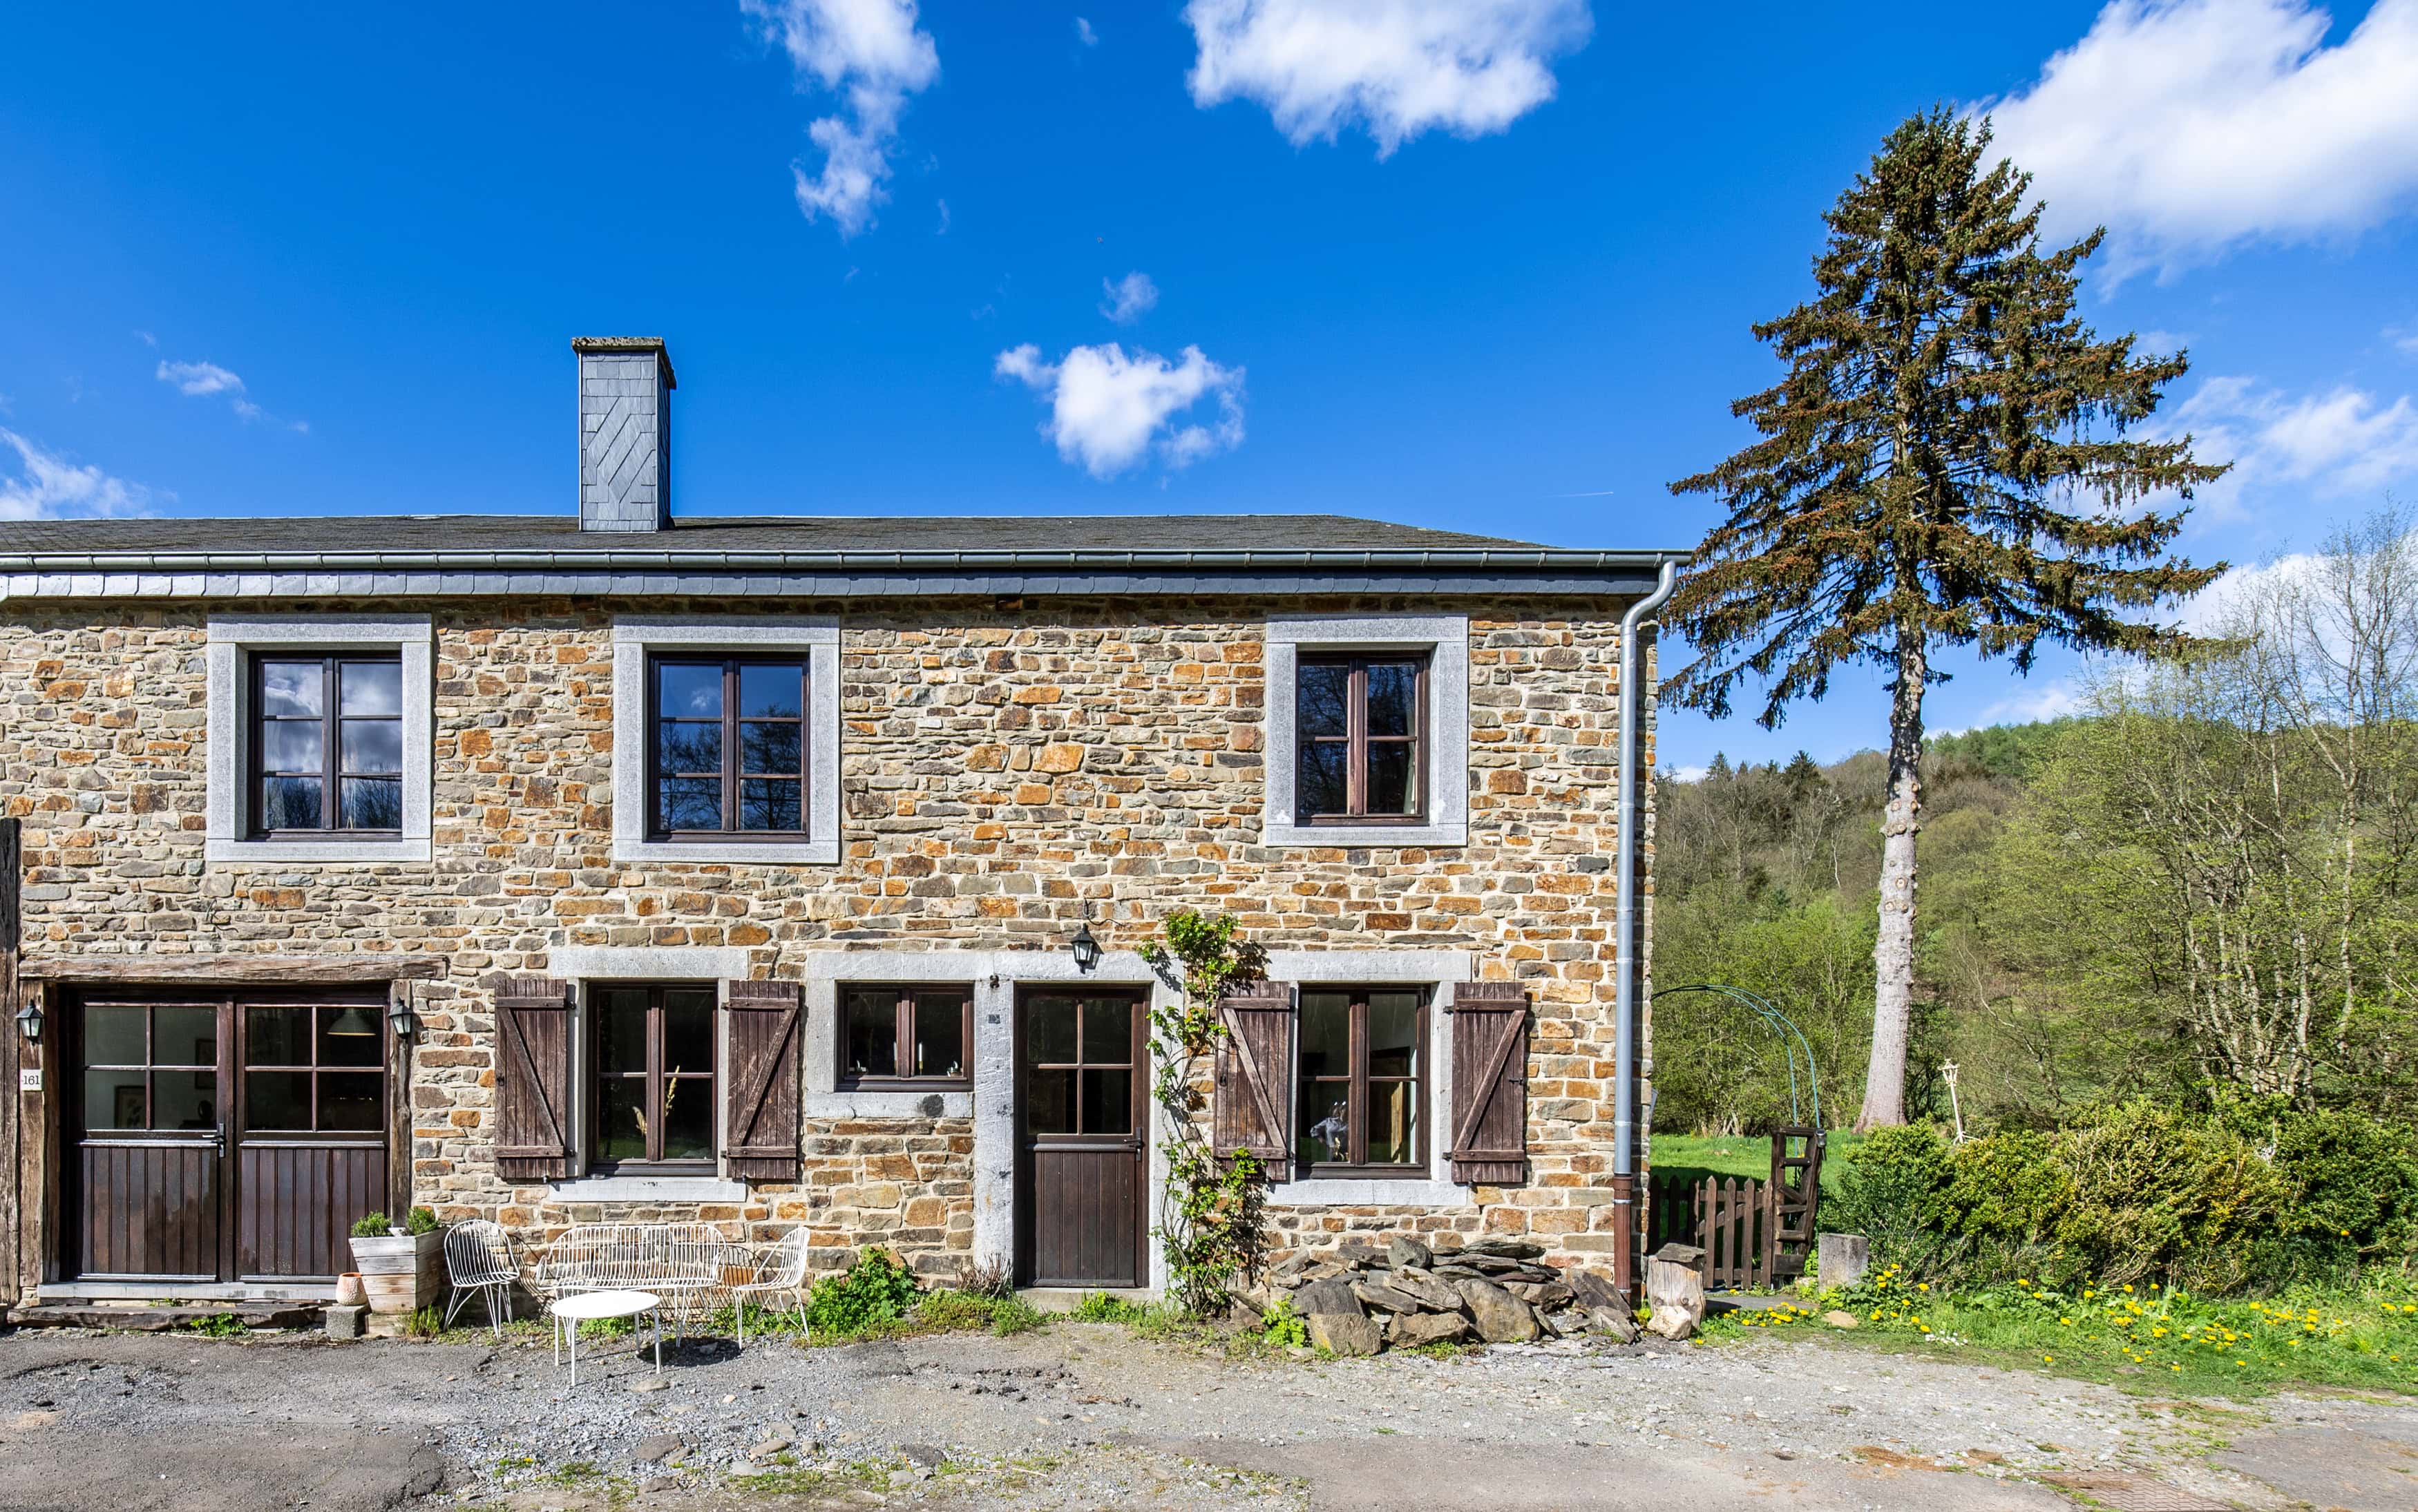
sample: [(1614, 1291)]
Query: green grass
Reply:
[(1696, 1157), (2148, 1339)]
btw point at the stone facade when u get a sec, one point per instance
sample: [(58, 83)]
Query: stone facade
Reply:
[(1002, 768)]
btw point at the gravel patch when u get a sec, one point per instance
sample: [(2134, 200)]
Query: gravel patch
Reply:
[(1092, 1415)]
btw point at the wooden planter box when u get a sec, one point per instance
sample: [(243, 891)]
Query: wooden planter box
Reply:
[(403, 1273)]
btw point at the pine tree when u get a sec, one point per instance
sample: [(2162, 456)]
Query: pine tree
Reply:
[(1945, 462)]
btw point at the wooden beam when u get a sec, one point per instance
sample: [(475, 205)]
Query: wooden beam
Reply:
[(11, 926), (267, 969), (398, 1108)]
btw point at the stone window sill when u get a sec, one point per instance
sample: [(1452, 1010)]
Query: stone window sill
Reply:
[(890, 1104), (648, 1189), (794, 853), (325, 852), (1357, 1192), (1365, 836)]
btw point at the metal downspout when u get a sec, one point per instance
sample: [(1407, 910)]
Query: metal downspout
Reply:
[(1625, 959)]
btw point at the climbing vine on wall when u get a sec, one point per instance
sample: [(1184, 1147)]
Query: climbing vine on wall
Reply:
[(1209, 1214)]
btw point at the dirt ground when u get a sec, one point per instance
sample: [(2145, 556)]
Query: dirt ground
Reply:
[(1091, 1416)]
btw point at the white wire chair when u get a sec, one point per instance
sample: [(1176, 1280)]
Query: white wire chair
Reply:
[(478, 1259), (779, 1270)]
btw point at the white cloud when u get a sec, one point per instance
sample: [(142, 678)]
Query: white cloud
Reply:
[(1106, 409), (47, 486), (872, 53), (1696, 773), (2049, 700), (2403, 339), (1394, 68), (2348, 441), (1084, 34), (2187, 126), (1130, 297), (202, 380), (2210, 611)]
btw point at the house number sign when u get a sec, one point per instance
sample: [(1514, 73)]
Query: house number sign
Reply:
[(29, 1079)]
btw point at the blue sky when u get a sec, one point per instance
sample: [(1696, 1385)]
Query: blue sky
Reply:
[(1485, 264)]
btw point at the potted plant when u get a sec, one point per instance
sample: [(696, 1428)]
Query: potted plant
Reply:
[(403, 1269)]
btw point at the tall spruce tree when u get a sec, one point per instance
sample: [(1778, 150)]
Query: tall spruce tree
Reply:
[(1944, 463)]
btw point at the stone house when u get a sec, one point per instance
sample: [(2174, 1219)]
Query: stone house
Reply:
[(782, 871)]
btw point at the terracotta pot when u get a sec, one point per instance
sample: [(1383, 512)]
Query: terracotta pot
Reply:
[(349, 1290)]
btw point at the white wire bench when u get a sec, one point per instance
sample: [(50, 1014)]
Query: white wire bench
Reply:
[(683, 1263)]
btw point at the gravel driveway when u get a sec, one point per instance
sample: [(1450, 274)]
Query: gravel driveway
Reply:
[(1088, 1416)]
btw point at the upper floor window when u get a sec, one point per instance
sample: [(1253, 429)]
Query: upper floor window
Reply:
[(326, 744), (912, 1037), (1366, 731), (1360, 724), (728, 756)]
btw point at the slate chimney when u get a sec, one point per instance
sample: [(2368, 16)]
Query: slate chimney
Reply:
[(625, 433)]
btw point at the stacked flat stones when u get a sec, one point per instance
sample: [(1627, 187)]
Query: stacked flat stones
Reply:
[(1358, 1299)]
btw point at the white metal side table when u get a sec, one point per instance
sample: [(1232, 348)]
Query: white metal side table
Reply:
[(570, 1312)]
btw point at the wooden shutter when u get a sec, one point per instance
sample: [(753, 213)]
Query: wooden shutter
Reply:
[(1489, 1083), (1252, 1105), (760, 1140), (532, 1079)]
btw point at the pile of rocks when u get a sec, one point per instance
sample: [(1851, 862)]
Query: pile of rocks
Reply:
[(1358, 1299)]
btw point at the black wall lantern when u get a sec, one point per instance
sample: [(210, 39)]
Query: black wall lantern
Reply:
[(1086, 949), (29, 1019), (401, 1020)]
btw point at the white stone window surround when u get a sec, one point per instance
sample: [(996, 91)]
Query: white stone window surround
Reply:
[(230, 641), (816, 639), (1445, 640), (1436, 971), (995, 977), (584, 965)]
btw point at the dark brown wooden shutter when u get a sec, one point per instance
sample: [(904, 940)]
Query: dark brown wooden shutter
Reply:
[(532, 1079), (1489, 1083), (760, 1140), (1252, 1105)]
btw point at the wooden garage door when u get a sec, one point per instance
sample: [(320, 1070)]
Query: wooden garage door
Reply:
[(225, 1138)]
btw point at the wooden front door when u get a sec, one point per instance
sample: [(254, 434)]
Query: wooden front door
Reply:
[(1082, 1074), (223, 1138)]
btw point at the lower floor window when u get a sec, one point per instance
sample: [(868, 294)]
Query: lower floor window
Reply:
[(653, 1095), (1361, 1080)]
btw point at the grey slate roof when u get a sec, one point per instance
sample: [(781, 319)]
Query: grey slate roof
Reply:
[(355, 556), (515, 533)]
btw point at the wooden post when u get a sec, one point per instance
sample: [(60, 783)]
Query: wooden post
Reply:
[(11, 926), (398, 1105)]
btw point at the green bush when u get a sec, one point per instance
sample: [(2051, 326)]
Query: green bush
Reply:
[(2353, 1180), (372, 1226), (420, 1221), (877, 1289), (2008, 1189), (2157, 1192), (2256, 1197), (1894, 1188)]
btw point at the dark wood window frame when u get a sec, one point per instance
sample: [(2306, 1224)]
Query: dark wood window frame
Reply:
[(731, 773), (1357, 739), (903, 997), (1357, 1080), (595, 1076), (330, 720), (366, 1020)]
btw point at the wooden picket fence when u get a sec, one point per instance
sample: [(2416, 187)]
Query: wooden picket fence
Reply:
[(1752, 1232)]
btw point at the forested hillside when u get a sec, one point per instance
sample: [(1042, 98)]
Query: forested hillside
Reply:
[(2199, 888)]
